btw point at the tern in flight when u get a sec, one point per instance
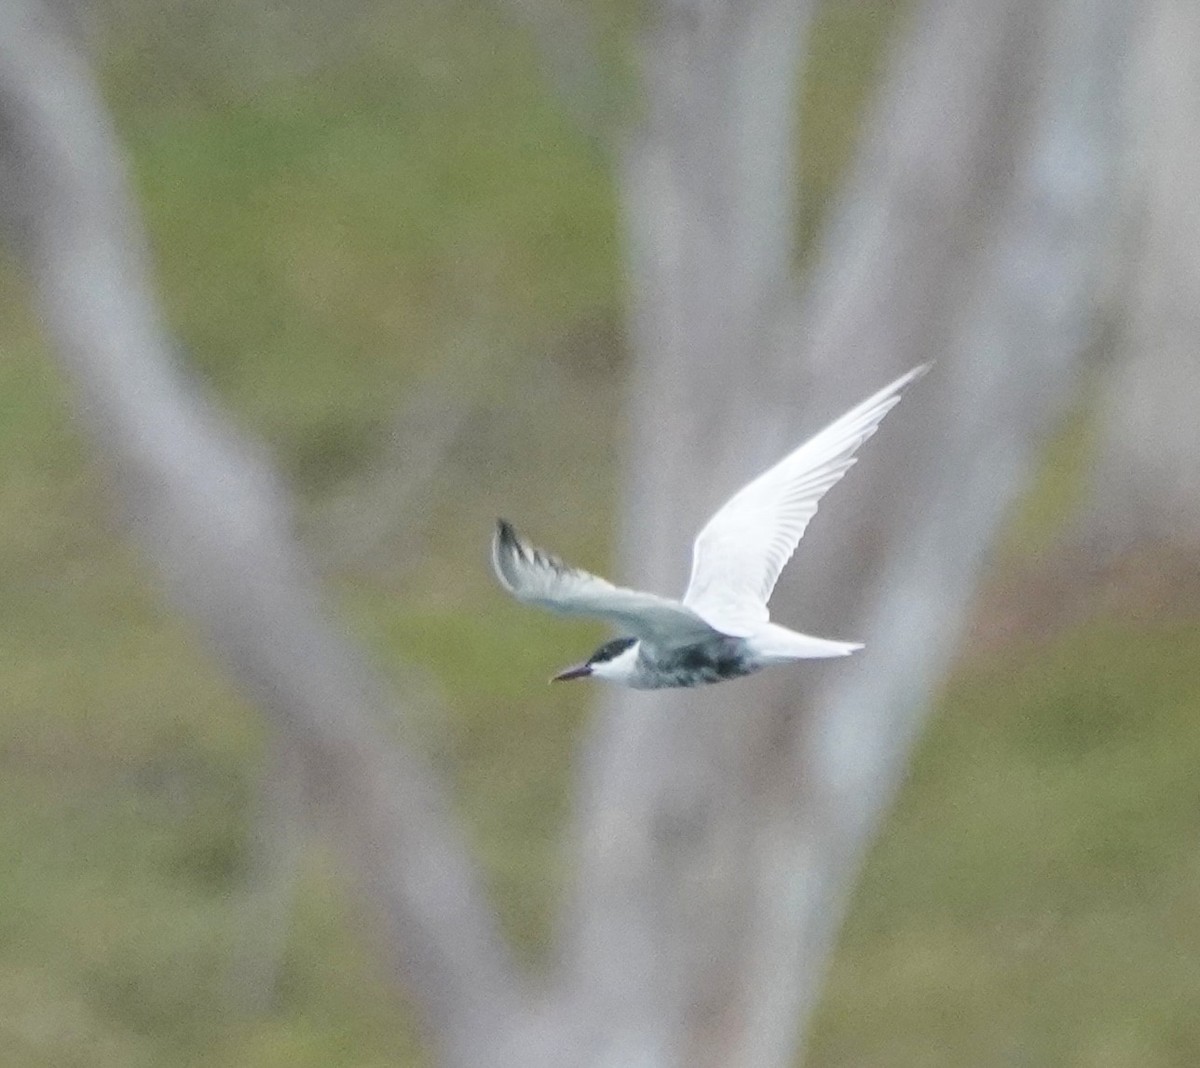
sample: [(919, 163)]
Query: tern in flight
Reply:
[(720, 629)]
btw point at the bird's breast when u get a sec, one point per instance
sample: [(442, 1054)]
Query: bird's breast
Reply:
[(693, 665)]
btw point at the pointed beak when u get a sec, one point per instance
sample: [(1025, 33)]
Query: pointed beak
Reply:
[(579, 671)]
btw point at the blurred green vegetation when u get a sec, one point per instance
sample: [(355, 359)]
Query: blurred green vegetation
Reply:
[(328, 237)]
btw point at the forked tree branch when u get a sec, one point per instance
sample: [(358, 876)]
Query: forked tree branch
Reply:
[(720, 830), (209, 510), (1132, 545), (1011, 361), (1145, 485)]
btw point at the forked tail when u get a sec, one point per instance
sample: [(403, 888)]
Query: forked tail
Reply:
[(778, 643)]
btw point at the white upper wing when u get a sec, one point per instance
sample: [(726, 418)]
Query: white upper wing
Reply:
[(536, 577), (739, 554)]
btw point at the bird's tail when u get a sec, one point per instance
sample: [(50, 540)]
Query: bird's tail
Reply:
[(778, 643)]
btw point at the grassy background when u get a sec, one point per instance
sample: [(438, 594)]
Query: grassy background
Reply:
[(331, 229)]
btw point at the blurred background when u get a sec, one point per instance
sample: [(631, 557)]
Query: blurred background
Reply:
[(391, 239)]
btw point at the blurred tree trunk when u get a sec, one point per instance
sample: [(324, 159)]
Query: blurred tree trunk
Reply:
[(1146, 480), (706, 181), (720, 830), (1134, 546), (213, 517)]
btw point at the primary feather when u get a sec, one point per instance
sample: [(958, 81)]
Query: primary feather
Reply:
[(537, 577), (737, 557)]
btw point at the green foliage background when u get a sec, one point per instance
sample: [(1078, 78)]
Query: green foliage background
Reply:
[(330, 231)]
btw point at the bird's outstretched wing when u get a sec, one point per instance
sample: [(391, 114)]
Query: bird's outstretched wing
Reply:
[(536, 577), (737, 557)]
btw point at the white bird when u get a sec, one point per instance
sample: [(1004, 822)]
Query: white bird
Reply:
[(720, 629)]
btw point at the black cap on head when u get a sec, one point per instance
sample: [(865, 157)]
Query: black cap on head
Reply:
[(610, 650)]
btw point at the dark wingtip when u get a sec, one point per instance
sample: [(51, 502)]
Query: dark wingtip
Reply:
[(506, 536), (505, 545)]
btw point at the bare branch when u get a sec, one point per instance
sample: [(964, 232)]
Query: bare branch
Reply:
[(1146, 483), (721, 830), (209, 510), (708, 191), (1011, 351), (1024, 327), (1132, 546)]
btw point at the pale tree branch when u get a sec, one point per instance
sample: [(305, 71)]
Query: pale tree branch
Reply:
[(210, 512), (1145, 486), (1133, 544), (709, 203), (720, 831), (1009, 370)]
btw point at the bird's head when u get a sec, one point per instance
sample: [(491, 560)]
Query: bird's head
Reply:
[(613, 660)]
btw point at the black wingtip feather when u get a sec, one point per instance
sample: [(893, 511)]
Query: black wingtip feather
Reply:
[(505, 546), (506, 535), (508, 547), (508, 539)]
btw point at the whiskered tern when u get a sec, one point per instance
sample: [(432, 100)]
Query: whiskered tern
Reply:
[(720, 629)]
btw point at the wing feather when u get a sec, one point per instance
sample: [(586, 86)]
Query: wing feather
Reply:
[(538, 578), (737, 557)]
